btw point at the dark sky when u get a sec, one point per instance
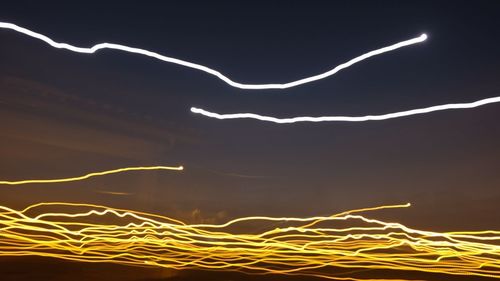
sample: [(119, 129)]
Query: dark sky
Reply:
[(66, 114)]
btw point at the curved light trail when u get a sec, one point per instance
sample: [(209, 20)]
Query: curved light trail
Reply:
[(345, 118), (206, 69), (335, 247), (94, 174)]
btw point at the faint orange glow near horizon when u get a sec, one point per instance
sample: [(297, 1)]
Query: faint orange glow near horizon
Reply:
[(332, 247)]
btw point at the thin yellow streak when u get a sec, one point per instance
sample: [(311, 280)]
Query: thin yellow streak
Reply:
[(94, 174), (334, 247), (114, 193)]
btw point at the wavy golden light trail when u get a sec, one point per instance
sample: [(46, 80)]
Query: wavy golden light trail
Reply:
[(94, 174), (334, 247), (206, 69)]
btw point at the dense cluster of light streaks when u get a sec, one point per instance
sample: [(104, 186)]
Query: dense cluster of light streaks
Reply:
[(335, 247), (206, 69), (322, 246), (346, 118), (94, 174)]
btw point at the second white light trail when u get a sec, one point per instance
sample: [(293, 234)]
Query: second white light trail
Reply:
[(346, 118)]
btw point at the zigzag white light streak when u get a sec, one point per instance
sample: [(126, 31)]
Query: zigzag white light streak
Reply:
[(346, 118), (208, 70)]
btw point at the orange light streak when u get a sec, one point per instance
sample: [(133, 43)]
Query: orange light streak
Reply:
[(94, 174), (334, 247)]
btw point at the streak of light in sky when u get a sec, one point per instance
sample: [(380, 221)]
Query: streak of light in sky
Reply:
[(209, 70), (346, 118), (307, 246), (94, 174)]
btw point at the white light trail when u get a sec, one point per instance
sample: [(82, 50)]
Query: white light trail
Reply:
[(346, 118), (206, 69)]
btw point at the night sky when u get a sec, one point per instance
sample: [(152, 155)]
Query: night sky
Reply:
[(66, 114)]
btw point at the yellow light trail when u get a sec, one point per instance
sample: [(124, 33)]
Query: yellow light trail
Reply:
[(206, 69), (335, 247), (94, 174), (114, 193)]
